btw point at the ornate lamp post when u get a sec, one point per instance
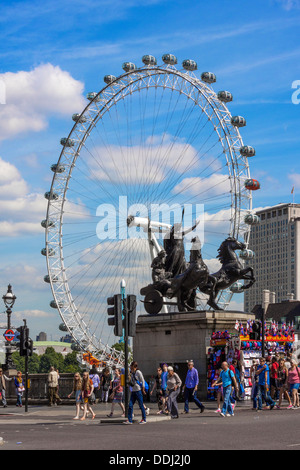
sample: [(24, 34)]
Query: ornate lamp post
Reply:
[(9, 299)]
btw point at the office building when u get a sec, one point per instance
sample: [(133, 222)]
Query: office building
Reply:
[(275, 241)]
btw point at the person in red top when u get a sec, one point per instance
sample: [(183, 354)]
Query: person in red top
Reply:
[(274, 377), (233, 365)]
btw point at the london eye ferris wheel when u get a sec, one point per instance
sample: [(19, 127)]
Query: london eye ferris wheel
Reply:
[(155, 135)]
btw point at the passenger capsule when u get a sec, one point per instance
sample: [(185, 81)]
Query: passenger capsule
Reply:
[(78, 117), (169, 59), (93, 96), (66, 142), (51, 196), (236, 287), (247, 254), (252, 184), (208, 77), (238, 121), (189, 64), (57, 168), (53, 304), (247, 151), (128, 66), (225, 96), (53, 278), (47, 223), (62, 327), (109, 79), (251, 219), (51, 252), (149, 60)]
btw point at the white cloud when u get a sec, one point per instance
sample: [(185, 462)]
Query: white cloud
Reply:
[(20, 211), (32, 96), (146, 163), (19, 315), (214, 185), (295, 179), (289, 4)]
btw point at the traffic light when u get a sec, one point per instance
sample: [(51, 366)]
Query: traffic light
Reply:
[(256, 330), (29, 347), (26, 343), (131, 312), (116, 312), (22, 345)]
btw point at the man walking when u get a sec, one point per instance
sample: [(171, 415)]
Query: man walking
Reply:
[(137, 382), (190, 388), (3, 380), (263, 386), (53, 387)]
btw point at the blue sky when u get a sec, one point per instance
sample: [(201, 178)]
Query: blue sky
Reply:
[(54, 52)]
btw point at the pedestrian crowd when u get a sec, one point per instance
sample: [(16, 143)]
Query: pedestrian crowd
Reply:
[(273, 380)]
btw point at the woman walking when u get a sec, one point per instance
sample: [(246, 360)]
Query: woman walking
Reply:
[(117, 394), (294, 382), (20, 388), (282, 381), (106, 379), (77, 389), (87, 390), (173, 390), (159, 393), (218, 390)]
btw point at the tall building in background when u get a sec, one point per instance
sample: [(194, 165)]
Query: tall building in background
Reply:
[(42, 336), (275, 240)]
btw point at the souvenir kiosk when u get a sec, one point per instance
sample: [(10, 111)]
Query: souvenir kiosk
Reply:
[(242, 346)]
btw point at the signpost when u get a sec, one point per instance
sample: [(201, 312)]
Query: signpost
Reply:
[(9, 335)]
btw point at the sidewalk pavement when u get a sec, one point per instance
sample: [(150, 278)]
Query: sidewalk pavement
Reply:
[(65, 413)]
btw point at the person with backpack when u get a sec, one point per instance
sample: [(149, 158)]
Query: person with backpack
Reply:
[(87, 389), (227, 380), (263, 385), (94, 376), (137, 382)]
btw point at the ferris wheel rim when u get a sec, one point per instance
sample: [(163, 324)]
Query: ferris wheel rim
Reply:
[(149, 71)]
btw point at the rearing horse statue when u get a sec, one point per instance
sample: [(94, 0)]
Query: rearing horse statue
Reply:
[(231, 271)]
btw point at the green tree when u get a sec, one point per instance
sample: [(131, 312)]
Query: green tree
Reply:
[(51, 358), (71, 364), (33, 363)]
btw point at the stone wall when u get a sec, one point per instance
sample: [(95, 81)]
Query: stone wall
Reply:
[(38, 389)]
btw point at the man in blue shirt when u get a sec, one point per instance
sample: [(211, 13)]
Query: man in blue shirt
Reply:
[(263, 386), (190, 388)]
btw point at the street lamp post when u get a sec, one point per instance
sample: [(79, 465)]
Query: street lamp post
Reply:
[(9, 299)]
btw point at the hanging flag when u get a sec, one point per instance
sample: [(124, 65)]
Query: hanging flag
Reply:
[(292, 192)]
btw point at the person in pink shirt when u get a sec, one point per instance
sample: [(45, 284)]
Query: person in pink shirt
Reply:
[(294, 383)]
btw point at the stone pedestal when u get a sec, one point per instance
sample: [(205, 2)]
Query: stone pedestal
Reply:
[(175, 338)]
